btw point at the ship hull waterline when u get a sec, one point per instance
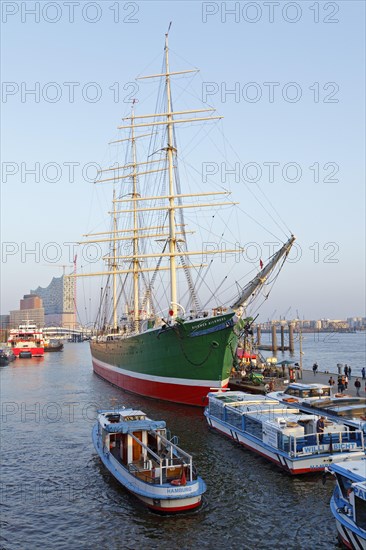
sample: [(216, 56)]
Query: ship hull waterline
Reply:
[(178, 364)]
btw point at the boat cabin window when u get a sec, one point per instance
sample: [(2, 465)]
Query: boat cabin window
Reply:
[(113, 418), (134, 417), (293, 391), (360, 507), (319, 392), (344, 484)]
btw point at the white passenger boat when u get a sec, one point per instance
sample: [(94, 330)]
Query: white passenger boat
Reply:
[(282, 434), (137, 452), (348, 503), (317, 399), (297, 392)]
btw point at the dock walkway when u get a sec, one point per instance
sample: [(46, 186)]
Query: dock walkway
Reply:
[(307, 378)]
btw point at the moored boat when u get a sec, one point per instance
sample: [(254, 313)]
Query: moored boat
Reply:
[(53, 345), (159, 338), (348, 503), (284, 435), (27, 341), (317, 399), (3, 359), (296, 392), (137, 452)]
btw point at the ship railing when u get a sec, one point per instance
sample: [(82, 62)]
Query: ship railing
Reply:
[(329, 442), (163, 465)]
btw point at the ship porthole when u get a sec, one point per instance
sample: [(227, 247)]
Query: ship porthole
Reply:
[(214, 344)]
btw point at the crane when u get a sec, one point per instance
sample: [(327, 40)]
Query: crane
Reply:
[(64, 266)]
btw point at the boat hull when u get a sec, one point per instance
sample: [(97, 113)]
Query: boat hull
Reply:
[(166, 498), (179, 364), (348, 533), (50, 349), (28, 352), (292, 465)]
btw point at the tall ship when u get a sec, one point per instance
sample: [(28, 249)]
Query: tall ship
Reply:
[(165, 330), (27, 340)]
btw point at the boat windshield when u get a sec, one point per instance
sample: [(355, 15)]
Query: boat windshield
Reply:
[(360, 512), (308, 392)]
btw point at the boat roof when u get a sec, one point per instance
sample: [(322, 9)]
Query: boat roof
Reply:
[(354, 469), (127, 421), (261, 407), (300, 386), (231, 397)]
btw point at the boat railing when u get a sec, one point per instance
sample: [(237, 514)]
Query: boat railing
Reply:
[(164, 465), (317, 443), (164, 471)]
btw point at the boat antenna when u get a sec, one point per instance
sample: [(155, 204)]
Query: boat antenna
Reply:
[(170, 24)]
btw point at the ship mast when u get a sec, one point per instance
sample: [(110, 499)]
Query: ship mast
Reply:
[(170, 149), (114, 267), (135, 227)]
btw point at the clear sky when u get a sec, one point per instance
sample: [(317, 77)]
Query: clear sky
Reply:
[(287, 76)]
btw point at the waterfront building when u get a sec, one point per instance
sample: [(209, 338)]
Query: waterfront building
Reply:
[(31, 309), (58, 301), (4, 322)]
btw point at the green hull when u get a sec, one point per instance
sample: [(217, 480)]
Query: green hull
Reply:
[(179, 363)]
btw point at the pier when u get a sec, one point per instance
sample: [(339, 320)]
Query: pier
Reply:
[(273, 346)]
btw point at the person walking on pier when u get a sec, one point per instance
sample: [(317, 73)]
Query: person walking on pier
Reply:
[(357, 386), (349, 372), (315, 368), (345, 370), (340, 384), (363, 370)]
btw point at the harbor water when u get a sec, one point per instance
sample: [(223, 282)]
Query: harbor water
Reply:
[(328, 349), (56, 494)]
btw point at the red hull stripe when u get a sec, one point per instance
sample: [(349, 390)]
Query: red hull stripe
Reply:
[(176, 393), (175, 508), (162, 379)]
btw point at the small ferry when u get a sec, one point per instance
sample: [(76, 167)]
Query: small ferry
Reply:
[(138, 453), (297, 392), (317, 399), (348, 503), (27, 341), (53, 345), (284, 435)]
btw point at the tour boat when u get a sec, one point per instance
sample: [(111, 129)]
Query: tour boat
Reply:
[(317, 399), (284, 435), (166, 329), (27, 341), (348, 503), (53, 345), (138, 452), (298, 392)]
